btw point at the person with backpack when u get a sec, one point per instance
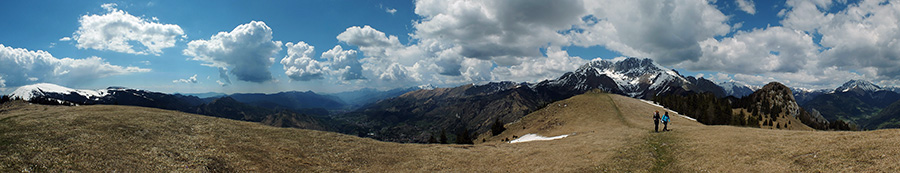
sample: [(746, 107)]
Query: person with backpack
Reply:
[(656, 122), (665, 120)]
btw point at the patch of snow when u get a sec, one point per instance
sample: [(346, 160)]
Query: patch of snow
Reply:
[(667, 109), (534, 137)]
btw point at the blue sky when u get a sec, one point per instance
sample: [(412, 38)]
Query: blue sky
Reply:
[(255, 46)]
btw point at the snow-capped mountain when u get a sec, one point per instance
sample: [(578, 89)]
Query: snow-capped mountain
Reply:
[(738, 89), (57, 93), (47, 93), (804, 95), (858, 85), (639, 78), (426, 87)]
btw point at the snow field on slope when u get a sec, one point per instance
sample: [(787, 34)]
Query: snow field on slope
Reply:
[(534, 137), (667, 109), (30, 91)]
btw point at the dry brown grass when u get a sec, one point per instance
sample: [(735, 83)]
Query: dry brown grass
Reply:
[(608, 133)]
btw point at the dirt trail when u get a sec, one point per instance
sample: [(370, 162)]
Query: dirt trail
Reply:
[(658, 144)]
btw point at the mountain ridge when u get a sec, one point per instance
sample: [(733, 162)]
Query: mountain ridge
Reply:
[(418, 115), (856, 101)]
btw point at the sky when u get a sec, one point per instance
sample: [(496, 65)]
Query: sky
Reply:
[(332, 46)]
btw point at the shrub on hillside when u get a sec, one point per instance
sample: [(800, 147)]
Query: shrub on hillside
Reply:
[(432, 140), (497, 128), (443, 137), (463, 137)]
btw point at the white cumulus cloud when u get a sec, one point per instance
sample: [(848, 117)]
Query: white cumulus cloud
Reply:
[(462, 41), (499, 30), (299, 64), (192, 79), (367, 36), (774, 49), (747, 6), (116, 30), (344, 63), (668, 31), (856, 42), (246, 52), (864, 35), (19, 66), (557, 63)]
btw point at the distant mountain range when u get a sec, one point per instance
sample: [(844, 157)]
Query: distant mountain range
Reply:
[(54, 94), (805, 95), (227, 107), (285, 109), (300, 101), (205, 95), (856, 101), (859, 102), (638, 78), (418, 113), (224, 107), (362, 97), (293, 100)]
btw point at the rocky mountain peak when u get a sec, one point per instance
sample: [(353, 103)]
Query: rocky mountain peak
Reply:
[(862, 85), (630, 67), (634, 77), (778, 97)]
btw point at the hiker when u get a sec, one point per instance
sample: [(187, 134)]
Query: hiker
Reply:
[(665, 120), (656, 122)]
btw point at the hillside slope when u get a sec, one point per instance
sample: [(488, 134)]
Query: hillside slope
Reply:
[(606, 133), (887, 118)]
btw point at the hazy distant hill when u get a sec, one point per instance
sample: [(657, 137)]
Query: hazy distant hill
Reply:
[(309, 100), (293, 100), (361, 97), (889, 117), (226, 107), (204, 95)]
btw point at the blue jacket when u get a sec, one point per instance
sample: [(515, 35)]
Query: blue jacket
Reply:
[(665, 118)]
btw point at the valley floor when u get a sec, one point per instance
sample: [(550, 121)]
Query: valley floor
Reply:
[(606, 133)]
